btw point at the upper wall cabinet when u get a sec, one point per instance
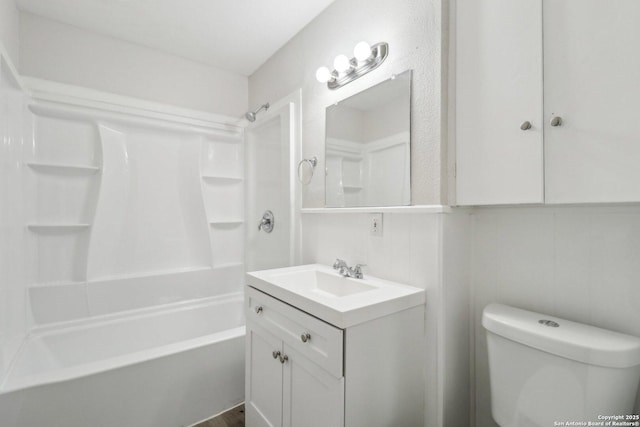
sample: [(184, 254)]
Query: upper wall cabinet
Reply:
[(573, 139), (499, 102)]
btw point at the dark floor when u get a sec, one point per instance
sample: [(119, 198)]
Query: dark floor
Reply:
[(232, 418)]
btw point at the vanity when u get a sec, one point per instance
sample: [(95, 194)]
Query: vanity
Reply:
[(325, 350)]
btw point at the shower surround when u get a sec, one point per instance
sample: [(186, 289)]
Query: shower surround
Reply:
[(124, 226)]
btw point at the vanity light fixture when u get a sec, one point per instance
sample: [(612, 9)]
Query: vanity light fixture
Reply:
[(365, 58)]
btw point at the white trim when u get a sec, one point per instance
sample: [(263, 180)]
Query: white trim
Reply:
[(381, 209), (61, 93)]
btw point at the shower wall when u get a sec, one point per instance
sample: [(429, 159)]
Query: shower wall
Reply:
[(109, 206), (13, 305), (272, 145), (126, 212)]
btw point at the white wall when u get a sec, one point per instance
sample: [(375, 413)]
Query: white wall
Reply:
[(413, 29), (410, 249), (9, 29), (581, 264), (428, 251), (455, 320), (54, 51), (407, 252)]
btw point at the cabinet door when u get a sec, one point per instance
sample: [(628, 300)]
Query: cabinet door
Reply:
[(263, 379), (499, 88), (311, 396), (592, 81)]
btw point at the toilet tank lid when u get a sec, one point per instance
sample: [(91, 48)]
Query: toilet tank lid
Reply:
[(575, 341)]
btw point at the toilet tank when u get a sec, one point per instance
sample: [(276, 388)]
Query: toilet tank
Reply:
[(544, 370)]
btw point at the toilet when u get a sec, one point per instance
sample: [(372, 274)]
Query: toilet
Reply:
[(545, 371)]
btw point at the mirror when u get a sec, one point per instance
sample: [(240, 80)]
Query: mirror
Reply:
[(367, 147)]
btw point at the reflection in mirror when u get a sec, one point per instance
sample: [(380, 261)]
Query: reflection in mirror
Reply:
[(367, 147)]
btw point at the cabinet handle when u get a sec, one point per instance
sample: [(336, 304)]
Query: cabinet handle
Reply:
[(556, 121), (305, 337), (258, 309), (283, 358), (275, 354), (526, 125)]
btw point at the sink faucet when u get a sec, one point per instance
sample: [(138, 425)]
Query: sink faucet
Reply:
[(346, 271)]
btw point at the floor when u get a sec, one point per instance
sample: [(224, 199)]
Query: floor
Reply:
[(232, 418)]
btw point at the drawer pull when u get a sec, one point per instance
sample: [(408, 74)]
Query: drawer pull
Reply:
[(259, 309), (275, 354), (305, 337), (283, 358)]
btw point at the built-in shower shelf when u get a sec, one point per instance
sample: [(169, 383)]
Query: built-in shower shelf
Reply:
[(56, 283), (222, 179), (226, 222), (62, 168), (227, 265), (70, 227)]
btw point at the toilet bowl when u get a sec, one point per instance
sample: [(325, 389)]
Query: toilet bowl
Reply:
[(545, 371)]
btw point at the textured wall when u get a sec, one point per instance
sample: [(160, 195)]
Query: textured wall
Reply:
[(413, 29), (58, 52)]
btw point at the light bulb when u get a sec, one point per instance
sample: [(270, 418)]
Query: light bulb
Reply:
[(341, 63), (323, 74), (362, 51)]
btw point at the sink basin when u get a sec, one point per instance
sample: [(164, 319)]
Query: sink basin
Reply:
[(322, 283), (342, 301)]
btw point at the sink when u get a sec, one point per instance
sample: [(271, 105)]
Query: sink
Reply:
[(329, 284), (342, 301)]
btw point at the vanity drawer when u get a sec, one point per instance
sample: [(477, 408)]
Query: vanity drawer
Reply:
[(324, 347)]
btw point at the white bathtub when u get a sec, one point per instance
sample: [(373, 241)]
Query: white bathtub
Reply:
[(159, 367)]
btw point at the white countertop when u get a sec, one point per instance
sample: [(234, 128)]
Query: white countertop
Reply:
[(343, 302)]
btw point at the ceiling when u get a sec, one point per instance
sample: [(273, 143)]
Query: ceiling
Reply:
[(234, 35)]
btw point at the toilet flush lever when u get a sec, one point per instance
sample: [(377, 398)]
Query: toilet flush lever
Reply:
[(267, 222)]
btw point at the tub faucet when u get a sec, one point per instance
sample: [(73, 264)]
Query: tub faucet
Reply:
[(346, 271)]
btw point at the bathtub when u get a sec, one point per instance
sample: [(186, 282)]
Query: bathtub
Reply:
[(166, 366)]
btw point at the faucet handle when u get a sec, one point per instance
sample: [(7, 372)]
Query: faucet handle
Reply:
[(338, 264), (358, 270)]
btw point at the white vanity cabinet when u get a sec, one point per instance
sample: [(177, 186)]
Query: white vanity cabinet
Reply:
[(364, 375), (547, 101), (290, 382)]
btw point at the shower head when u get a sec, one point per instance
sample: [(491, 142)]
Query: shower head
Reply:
[(251, 115)]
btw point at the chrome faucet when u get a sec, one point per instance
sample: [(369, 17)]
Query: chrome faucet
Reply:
[(346, 271)]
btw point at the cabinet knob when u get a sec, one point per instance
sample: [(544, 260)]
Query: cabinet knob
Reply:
[(526, 125), (284, 358), (556, 121), (258, 309), (275, 354), (305, 337)]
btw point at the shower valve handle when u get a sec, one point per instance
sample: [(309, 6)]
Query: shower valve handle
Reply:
[(267, 222)]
